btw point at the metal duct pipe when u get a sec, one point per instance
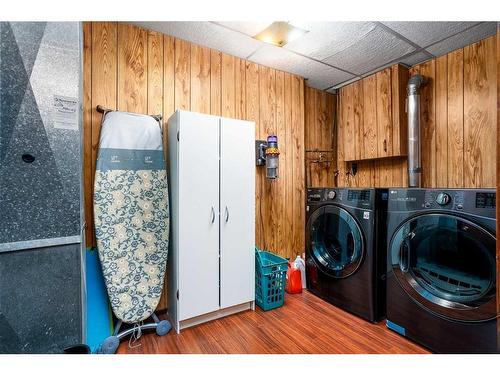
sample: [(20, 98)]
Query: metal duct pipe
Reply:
[(413, 109)]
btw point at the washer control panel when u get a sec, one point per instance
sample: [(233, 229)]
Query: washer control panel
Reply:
[(322, 195), (314, 197)]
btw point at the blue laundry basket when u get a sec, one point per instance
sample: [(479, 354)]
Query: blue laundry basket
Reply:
[(270, 280)]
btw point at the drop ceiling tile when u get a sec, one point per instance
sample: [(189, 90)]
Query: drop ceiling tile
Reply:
[(328, 38), (415, 58), (207, 34), (377, 48), (474, 34), (426, 33), (248, 28), (319, 75)]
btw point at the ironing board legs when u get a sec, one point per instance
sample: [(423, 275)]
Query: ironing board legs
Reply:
[(131, 330), (117, 327), (111, 343), (155, 318)]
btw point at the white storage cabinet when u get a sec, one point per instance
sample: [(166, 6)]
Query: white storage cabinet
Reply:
[(211, 266)]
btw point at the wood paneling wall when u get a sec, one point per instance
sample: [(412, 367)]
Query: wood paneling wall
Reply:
[(498, 182), (458, 122), (459, 117), (132, 69), (319, 138)]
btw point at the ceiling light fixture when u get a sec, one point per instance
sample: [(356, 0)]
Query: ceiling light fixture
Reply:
[(280, 33)]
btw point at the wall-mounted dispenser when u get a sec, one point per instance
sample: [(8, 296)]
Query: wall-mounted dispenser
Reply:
[(267, 154)]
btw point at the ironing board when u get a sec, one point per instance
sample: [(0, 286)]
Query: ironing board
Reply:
[(131, 217)]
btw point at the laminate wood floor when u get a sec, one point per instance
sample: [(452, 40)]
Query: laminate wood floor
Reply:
[(305, 324)]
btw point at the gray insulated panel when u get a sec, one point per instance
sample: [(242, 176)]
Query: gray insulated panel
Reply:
[(40, 152), (40, 300)]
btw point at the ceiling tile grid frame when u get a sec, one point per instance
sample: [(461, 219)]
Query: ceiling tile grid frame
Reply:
[(207, 34), (468, 33), (332, 54), (472, 35), (427, 33), (325, 39), (375, 49), (318, 74)]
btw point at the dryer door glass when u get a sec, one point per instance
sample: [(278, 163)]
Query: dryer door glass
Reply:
[(449, 263), (336, 241)]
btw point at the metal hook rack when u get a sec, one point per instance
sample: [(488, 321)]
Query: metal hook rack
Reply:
[(321, 157), (325, 156)]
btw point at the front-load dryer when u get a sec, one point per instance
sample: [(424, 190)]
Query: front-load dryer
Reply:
[(441, 276), (345, 249)]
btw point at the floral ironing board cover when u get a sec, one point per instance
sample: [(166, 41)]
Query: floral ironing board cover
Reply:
[(131, 213)]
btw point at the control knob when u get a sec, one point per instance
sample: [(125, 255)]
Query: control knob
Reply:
[(331, 194), (443, 199)]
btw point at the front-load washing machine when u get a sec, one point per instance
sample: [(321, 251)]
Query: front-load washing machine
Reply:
[(441, 276), (345, 248)]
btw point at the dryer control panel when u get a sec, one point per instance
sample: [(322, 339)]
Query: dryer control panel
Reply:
[(485, 200), (473, 201), (452, 200)]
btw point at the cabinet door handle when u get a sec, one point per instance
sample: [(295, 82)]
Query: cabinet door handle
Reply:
[(227, 214), (213, 214), (385, 145)]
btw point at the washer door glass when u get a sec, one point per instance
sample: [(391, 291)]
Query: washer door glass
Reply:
[(448, 264), (336, 243)]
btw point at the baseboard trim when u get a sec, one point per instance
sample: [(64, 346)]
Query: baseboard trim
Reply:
[(214, 315)]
